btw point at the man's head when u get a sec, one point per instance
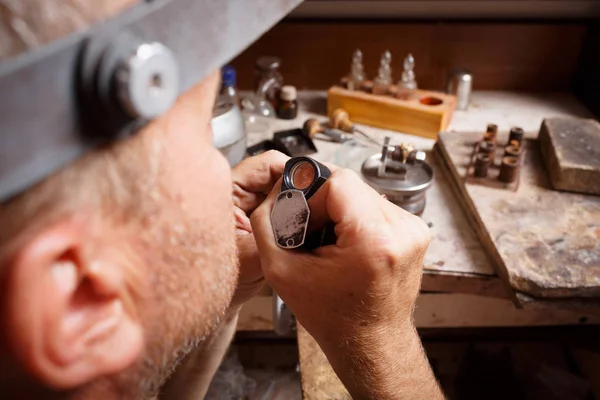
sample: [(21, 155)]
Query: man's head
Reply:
[(113, 267)]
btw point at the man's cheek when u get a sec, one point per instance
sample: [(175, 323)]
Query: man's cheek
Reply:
[(212, 188), (210, 133)]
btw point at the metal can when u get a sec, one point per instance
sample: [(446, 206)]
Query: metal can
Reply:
[(460, 84)]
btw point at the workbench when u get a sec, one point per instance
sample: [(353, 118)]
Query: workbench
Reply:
[(460, 287)]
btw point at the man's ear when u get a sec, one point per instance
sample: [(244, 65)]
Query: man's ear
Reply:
[(69, 318)]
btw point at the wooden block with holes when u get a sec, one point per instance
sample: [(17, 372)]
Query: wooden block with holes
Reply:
[(425, 113)]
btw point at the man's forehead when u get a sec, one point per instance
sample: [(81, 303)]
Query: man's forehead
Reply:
[(28, 24)]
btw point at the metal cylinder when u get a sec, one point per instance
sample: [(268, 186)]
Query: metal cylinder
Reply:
[(489, 149), (513, 151), (407, 191), (491, 133), (509, 169), (460, 84), (482, 164), (517, 134)]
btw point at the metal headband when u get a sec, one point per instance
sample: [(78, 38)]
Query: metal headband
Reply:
[(59, 102)]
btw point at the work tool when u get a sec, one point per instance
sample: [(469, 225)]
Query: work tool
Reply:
[(340, 119), (312, 127), (101, 84), (302, 178), (401, 174)]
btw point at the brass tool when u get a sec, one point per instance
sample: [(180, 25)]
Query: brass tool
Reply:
[(341, 120)]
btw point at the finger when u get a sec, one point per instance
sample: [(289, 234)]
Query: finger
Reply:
[(254, 178), (249, 259), (350, 204), (260, 220), (409, 227), (242, 222)]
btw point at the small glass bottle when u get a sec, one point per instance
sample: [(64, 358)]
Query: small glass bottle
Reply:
[(228, 93), (288, 104)]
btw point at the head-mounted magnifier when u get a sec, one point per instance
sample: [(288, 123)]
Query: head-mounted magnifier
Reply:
[(94, 87)]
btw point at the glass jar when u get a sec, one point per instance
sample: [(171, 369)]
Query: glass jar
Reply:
[(269, 80)]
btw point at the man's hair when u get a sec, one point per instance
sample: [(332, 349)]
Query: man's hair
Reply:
[(28, 24), (106, 182)]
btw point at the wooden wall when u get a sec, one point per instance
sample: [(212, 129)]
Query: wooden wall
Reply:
[(503, 56)]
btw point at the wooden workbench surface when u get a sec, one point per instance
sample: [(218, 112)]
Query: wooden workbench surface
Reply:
[(544, 242), (455, 262)]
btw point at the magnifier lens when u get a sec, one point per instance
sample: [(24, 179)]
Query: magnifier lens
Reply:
[(302, 175)]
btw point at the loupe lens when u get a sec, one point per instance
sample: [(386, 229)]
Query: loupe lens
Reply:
[(302, 175)]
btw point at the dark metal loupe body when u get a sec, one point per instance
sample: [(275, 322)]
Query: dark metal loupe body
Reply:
[(302, 177)]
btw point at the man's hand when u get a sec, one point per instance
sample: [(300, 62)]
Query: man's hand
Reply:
[(357, 297), (253, 180)]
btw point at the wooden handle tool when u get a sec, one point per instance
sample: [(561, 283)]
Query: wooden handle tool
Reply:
[(341, 120), (312, 126)]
